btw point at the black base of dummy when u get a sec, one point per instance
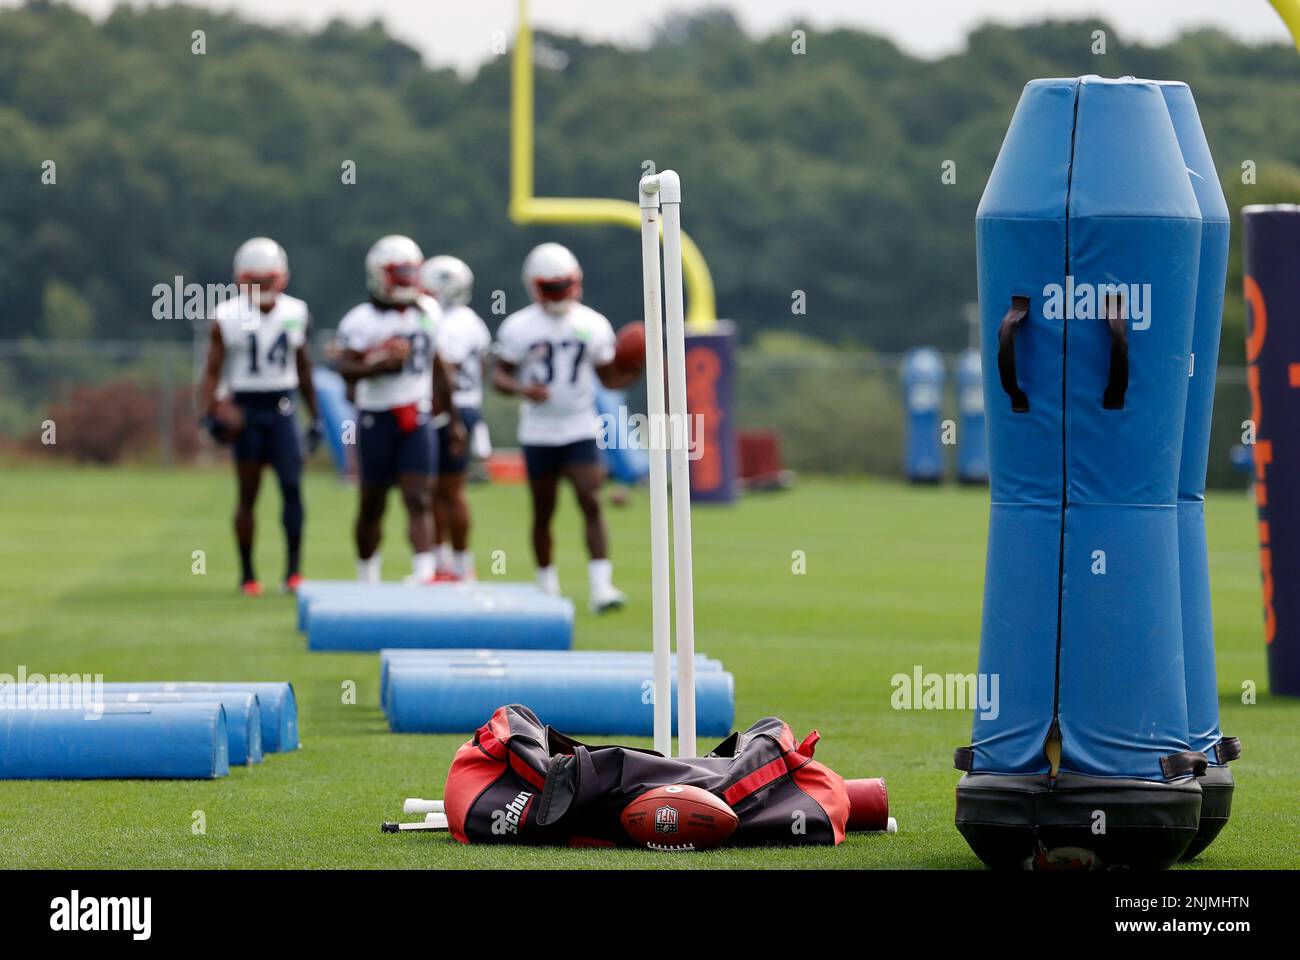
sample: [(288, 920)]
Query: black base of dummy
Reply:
[(1216, 805), (1027, 822)]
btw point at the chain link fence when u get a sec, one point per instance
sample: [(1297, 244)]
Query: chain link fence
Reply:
[(835, 412)]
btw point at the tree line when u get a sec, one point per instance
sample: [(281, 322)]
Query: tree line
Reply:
[(832, 177)]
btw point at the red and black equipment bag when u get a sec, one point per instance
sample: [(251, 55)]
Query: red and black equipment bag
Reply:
[(518, 781)]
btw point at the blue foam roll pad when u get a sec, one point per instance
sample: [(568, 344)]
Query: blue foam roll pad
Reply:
[(243, 717), (1089, 201), (135, 741), (278, 706), (610, 702), (434, 617), (384, 595), (556, 660)]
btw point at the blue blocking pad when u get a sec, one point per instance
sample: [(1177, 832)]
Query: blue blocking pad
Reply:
[(1020, 609), (510, 620), (243, 717), (279, 707), (384, 595), (614, 702), (1198, 631), (1122, 707), (181, 741), (1089, 247), (1204, 733)]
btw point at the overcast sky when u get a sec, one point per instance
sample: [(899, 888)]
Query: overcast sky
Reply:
[(460, 33)]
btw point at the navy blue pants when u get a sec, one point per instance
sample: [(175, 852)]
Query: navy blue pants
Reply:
[(270, 433), (542, 461), (386, 451)]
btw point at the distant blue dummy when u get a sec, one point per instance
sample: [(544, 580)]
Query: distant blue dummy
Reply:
[(923, 377)]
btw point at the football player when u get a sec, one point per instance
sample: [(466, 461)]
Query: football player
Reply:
[(257, 347), (387, 348), (551, 354), (463, 343)]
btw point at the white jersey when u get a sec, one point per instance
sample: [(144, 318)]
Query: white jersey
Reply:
[(368, 325), (464, 340), (262, 346), (561, 353)]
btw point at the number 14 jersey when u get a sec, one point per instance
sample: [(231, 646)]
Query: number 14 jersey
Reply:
[(262, 347)]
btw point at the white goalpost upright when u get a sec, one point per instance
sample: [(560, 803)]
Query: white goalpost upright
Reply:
[(670, 432)]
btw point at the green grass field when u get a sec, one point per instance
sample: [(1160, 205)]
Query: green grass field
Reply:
[(96, 577)]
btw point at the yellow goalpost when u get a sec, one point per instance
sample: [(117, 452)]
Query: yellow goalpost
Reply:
[(525, 208)]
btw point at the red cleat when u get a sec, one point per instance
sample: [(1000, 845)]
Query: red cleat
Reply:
[(292, 584), (251, 588), (445, 576)]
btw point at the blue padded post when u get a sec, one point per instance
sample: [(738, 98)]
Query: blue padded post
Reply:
[(1194, 563), (1089, 241), (122, 741)]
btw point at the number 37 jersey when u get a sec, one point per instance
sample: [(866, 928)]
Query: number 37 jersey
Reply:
[(262, 347), (561, 353)]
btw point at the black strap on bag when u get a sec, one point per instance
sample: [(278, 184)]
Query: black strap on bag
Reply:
[(1181, 764), (1227, 749), (1015, 316), (1117, 381)]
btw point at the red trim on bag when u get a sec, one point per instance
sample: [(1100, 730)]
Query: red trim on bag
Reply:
[(519, 766), (488, 742), (472, 771), (826, 787), (809, 744), (499, 724), (769, 772)]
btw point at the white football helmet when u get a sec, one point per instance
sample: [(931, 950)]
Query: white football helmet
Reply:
[(448, 280), (553, 277), (262, 262), (393, 269)]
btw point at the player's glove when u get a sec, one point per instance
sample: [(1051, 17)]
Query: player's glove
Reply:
[(315, 433)]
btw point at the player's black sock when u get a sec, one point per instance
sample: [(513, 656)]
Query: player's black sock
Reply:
[(294, 548), (246, 561)]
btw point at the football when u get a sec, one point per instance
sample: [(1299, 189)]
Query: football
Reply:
[(629, 347), (678, 818), (228, 421)]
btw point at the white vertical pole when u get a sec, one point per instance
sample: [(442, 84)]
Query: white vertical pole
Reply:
[(654, 357), (670, 197)]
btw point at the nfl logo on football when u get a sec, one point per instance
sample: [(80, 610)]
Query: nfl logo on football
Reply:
[(666, 820)]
